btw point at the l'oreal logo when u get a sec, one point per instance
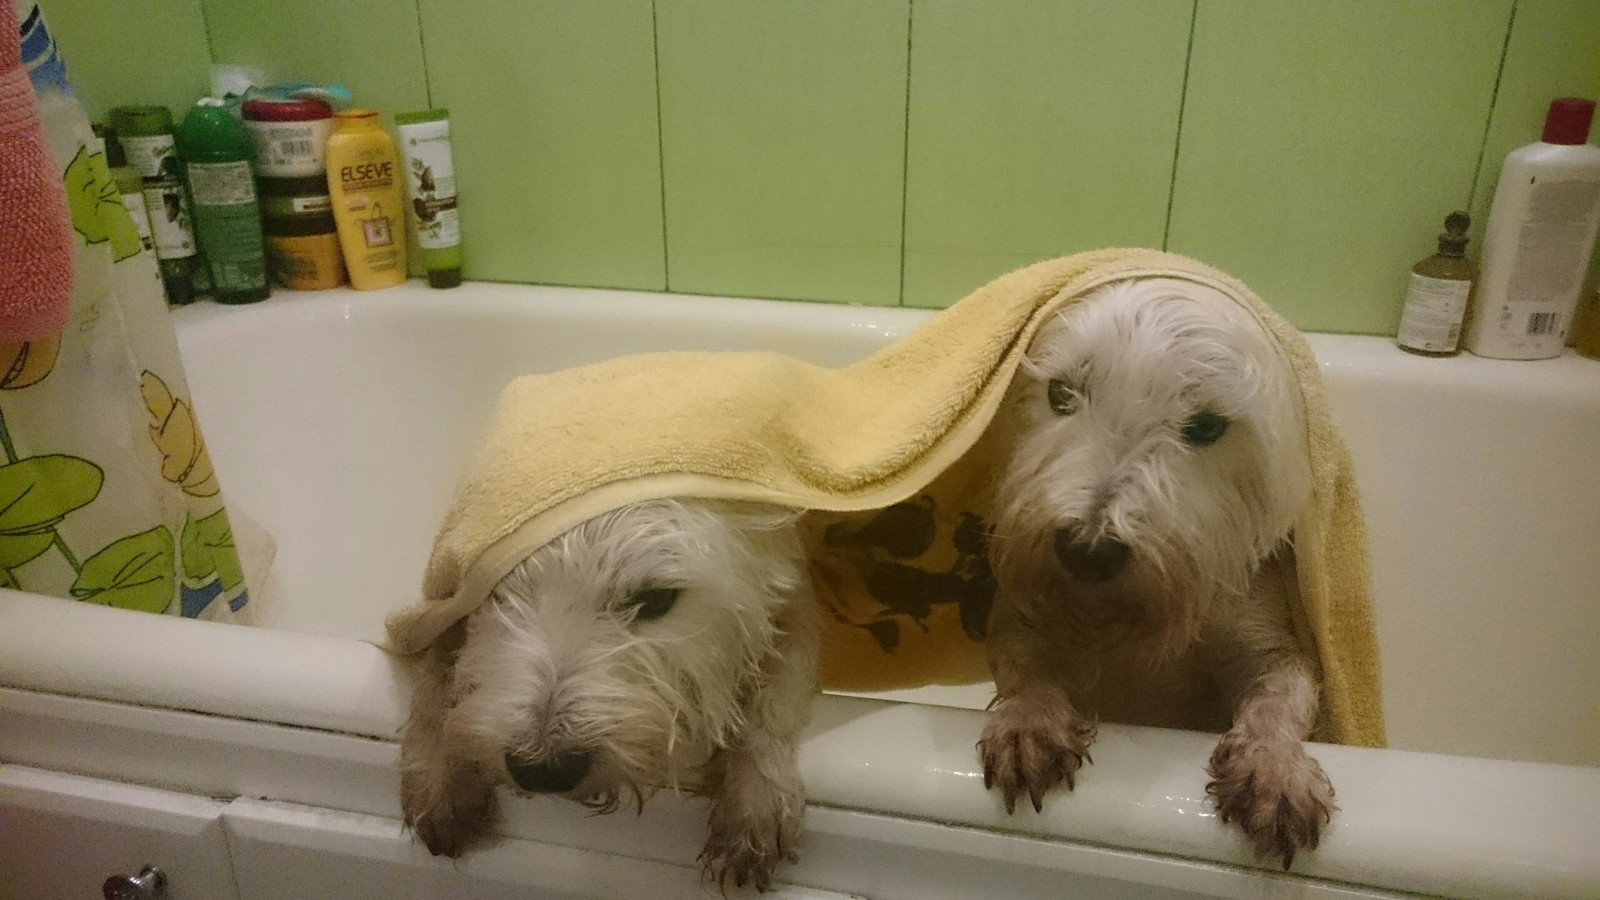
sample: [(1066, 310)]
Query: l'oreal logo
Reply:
[(367, 172)]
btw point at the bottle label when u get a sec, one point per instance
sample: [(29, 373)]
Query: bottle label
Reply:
[(168, 210), (306, 263), (221, 184), (152, 156), (234, 249), (1432, 317), (134, 202), (228, 224), (290, 149), (1554, 242), (431, 180)]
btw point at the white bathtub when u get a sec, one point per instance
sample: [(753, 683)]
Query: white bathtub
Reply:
[(339, 421)]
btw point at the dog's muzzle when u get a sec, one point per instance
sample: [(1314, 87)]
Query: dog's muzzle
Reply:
[(1090, 561), (555, 775)]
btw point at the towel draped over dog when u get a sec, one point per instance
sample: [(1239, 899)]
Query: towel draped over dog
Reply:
[(887, 456)]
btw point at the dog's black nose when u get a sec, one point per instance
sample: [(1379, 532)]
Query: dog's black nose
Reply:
[(1099, 559), (555, 775)]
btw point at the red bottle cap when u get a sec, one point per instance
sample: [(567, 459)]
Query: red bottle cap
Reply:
[(307, 109), (1568, 120)]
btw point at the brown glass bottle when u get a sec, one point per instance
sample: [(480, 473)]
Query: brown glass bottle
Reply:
[(1439, 294)]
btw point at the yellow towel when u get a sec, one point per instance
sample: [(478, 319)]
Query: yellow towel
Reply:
[(880, 451)]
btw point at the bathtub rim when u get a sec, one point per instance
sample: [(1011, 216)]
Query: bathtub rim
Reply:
[(1414, 822)]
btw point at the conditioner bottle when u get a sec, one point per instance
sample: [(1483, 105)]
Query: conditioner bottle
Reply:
[(1537, 244)]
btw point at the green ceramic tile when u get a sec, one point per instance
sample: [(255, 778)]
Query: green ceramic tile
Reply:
[(372, 47), (783, 142), (132, 51), (1037, 128), (1323, 144), (556, 141), (1554, 51)]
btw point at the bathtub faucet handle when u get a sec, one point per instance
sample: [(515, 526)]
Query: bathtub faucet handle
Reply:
[(149, 884)]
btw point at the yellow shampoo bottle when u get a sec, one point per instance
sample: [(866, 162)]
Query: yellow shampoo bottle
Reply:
[(364, 187)]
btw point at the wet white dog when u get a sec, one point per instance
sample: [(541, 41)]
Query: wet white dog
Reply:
[(1157, 464), (665, 644)]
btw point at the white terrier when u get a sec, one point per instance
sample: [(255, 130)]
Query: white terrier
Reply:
[(1157, 463), (670, 643)]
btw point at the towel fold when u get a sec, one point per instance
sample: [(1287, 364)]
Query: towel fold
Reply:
[(36, 241), (888, 456)]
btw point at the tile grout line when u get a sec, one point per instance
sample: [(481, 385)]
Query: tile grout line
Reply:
[(905, 158), (661, 149), (211, 43), (422, 46), (1494, 101), (1177, 140)]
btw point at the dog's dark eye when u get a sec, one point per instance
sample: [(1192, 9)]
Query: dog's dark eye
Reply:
[(652, 602), (1204, 428), (1063, 399)]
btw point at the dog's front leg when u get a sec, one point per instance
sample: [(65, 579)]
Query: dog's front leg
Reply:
[(1034, 738), (446, 801), (1262, 776), (758, 801)]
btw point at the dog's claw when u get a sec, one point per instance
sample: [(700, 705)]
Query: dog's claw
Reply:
[(1276, 793), (1024, 752)]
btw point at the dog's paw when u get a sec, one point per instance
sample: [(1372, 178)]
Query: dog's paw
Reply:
[(1032, 746), (448, 818), (748, 845), (1276, 792)]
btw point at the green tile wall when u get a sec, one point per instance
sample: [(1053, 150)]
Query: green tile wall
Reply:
[(1323, 144), (372, 47), (1037, 128), (556, 141), (132, 51), (903, 151), (783, 146)]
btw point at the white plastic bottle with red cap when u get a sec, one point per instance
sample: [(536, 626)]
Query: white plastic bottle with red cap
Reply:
[(1540, 236)]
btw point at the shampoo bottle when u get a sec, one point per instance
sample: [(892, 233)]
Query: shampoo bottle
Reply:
[(227, 214), (1540, 234), (364, 185)]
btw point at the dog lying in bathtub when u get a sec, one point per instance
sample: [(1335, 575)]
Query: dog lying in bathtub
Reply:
[(674, 642)]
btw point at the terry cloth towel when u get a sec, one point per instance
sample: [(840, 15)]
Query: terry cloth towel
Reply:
[(886, 439), (36, 243)]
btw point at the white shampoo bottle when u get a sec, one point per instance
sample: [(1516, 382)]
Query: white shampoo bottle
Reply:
[(1537, 244)]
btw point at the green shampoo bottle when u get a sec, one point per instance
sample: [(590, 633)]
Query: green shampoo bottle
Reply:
[(216, 153)]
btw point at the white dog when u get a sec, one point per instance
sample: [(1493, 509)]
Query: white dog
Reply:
[(670, 643), (1157, 463)]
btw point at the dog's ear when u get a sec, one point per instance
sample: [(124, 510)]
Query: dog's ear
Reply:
[(432, 684), (441, 657)]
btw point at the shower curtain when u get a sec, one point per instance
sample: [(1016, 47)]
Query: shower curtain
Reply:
[(107, 493)]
